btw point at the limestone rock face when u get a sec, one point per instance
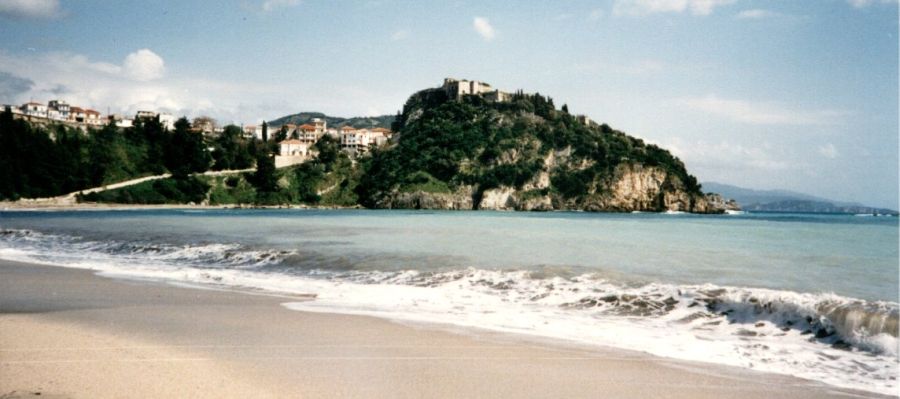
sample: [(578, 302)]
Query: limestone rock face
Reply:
[(500, 199), (632, 187), (459, 200), (717, 201)]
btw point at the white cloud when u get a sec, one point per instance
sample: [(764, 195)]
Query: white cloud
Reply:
[(728, 155), (98, 85), (866, 3), (828, 151), (644, 7), (35, 9), (484, 28), (755, 14), (596, 14), (400, 35), (144, 65), (270, 5), (760, 113), (562, 17)]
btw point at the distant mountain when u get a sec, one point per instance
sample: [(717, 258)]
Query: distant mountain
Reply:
[(787, 201), (384, 121)]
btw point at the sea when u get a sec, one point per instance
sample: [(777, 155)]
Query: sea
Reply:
[(812, 296)]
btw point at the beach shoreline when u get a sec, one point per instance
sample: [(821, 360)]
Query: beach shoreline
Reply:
[(70, 333)]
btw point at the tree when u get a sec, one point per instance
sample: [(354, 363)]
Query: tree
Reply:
[(204, 124), (282, 134), (329, 150), (265, 132), (231, 150), (265, 179), (186, 153)]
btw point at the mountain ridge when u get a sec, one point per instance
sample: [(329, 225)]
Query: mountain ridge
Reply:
[(777, 200), (382, 121)]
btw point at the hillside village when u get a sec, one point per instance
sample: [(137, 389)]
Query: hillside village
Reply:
[(438, 164), (297, 146)]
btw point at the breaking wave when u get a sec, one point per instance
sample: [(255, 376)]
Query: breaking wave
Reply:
[(834, 339)]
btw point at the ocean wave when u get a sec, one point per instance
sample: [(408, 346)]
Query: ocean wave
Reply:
[(822, 336)]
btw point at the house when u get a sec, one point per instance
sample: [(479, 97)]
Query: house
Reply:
[(145, 115), (120, 121), (34, 109), (76, 114), (167, 120), (251, 131), (62, 108), (52, 113), (292, 152), (92, 118), (308, 133), (354, 141), (320, 125), (379, 136), (205, 125), (293, 147)]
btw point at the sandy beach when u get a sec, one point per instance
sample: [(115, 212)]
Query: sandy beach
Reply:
[(68, 333)]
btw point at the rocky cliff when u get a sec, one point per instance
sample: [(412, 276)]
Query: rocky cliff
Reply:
[(635, 188), (522, 154)]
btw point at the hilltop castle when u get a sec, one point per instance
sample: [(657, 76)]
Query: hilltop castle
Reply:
[(455, 89)]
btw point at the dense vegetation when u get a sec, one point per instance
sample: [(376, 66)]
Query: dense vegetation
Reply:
[(472, 142), (457, 147), (37, 161)]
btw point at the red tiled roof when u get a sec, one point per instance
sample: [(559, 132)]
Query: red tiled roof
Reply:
[(291, 141), (306, 127), (348, 128), (75, 109), (381, 130), (90, 111)]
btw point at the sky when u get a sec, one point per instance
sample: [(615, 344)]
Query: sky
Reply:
[(798, 95)]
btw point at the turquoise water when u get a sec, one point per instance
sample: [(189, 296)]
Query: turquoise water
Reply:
[(814, 296), (844, 254)]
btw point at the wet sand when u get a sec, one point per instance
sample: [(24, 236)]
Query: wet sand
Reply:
[(69, 333)]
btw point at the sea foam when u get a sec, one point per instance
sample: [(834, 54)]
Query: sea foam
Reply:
[(842, 341)]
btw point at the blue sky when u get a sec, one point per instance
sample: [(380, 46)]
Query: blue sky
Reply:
[(799, 95)]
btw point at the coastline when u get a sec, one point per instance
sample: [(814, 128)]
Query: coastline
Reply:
[(70, 333), (95, 206)]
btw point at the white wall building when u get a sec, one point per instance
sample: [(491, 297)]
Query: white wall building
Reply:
[(293, 147), (167, 120), (61, 107), (34, 109)]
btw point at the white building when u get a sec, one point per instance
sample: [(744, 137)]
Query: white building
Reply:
[(251, 131), (34, 109), (121, 121), (145, 114), (92, 118), (77, 114), (61, 107), (354, 141), (293, 147), (167, 120)]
